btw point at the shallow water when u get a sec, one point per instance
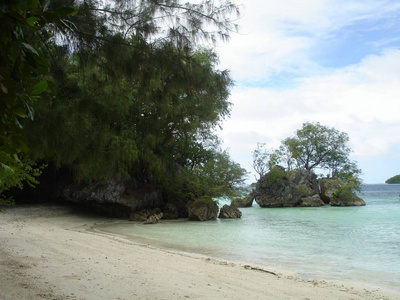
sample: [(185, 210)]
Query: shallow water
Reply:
[(347, 243)]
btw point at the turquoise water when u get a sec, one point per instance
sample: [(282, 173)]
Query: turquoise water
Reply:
[(352, 243)]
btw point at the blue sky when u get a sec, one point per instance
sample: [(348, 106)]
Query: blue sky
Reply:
[(328, 61)]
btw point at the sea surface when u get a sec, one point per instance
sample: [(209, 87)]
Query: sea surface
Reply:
[(359, 244)]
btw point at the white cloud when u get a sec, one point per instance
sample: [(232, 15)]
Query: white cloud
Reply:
[(362, 100), (280, 83), (279, 36)]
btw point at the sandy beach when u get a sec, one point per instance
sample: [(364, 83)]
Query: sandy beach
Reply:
[(50, 252)]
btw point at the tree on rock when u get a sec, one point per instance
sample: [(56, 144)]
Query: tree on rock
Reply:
[(318, 147)]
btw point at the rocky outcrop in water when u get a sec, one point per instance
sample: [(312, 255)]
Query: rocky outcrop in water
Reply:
[(229, 212), (307, 184), (330, 195), (243, 202), (352, 200), (203, 210), (311, 201), (278, 188), (275, 189)]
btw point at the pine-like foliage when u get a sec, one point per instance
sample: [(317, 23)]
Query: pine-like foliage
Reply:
[(133, 94)]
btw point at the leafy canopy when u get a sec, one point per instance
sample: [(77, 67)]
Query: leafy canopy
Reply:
[(133, 94), (318, 146), (22, 66)]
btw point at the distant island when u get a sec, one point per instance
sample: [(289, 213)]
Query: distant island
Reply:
[(394, 179)]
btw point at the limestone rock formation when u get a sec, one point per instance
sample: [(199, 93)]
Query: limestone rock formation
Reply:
[(329, 195), (153, 219), (308, 187), (143, 214), (278, 188), (117, 197), (352, 200), (243, 202), (327, 188), (311, 201), (203, 210), (275, 189), (307, 182), (229, 212)]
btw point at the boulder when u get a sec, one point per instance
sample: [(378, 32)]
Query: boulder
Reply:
[(153, 219), (243, 202), (352, 200), (203, 210), (229, 212), (275, 189)]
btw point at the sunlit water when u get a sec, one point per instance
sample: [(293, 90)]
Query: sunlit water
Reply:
[(352, 243)]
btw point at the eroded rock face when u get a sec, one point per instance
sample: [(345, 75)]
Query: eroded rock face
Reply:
[(144, 214), (117, 195), (308, 187), (229, 212), (353, 200), (306, 178), (311, 201), (153, 219), (300, 188), (327, 188), (243, 202), (330, 196), (275, 189), (200, 210), (281, 189)]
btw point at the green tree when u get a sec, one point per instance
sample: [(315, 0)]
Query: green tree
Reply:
[(261, 159), (317, 146), (22, 67), (283, 155), (218, 176), (130, 99)]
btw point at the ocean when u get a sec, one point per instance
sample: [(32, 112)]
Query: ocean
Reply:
[(360, 244)]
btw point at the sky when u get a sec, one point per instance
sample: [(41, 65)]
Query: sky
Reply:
[(336, 62)]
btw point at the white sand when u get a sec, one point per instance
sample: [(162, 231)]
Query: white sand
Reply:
[(47, 252)]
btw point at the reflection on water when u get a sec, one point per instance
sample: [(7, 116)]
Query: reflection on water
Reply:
[(358, 243)]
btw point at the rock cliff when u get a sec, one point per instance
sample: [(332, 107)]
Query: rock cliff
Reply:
[(116, 197)]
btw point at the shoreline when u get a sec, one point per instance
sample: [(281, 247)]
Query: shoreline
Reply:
[(55, 252)]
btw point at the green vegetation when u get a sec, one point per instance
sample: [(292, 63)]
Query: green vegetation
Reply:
[(260, 156), (22, 67), (393, 180), (121, 94), (317, 147)]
